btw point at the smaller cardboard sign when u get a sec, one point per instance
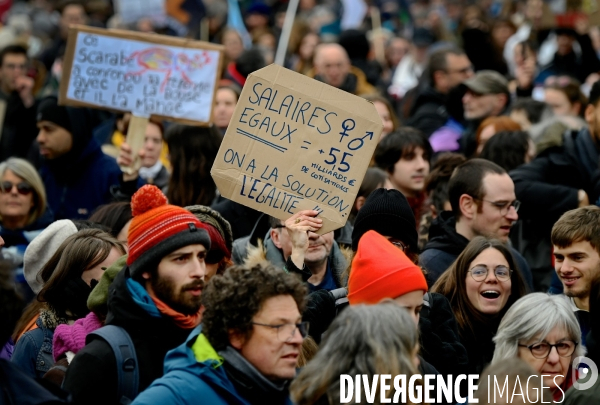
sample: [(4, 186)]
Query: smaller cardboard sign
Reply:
[(131, 11), (148, 75), (294, 144)]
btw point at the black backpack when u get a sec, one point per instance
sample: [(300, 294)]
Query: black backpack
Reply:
[(127, 365)]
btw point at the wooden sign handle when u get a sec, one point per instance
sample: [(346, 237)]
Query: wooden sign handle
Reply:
[(136, 134)]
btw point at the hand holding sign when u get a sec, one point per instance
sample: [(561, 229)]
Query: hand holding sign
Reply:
[(296, 144), (298, 227)]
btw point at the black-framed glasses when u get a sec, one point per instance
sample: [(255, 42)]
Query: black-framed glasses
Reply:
[(503, 206), (278, 226), (22, 187), (480, 273), (541, 350), (286, 331), (399, 244)]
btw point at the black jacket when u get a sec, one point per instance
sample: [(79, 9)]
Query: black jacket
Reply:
[(428, 112), (441, 348), (440, 342), (19, 129), (479, 344), (241, 218), (445, 245), (547, 188), (92, 376), (17, 388)]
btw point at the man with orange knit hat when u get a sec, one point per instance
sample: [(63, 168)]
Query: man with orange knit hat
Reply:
[(155, 298)]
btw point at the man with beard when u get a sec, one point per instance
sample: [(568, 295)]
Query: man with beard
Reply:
[(576, 242), (247, 348), (155, 298)]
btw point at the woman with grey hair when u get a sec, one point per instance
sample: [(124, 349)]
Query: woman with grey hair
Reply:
[(543, 331), (364, 339)]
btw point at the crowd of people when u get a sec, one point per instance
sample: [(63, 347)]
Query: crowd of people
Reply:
[(472, 248)]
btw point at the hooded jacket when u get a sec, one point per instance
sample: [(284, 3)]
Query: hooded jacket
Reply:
[(92, 378), (547, 188), (195, 372), (79, 181), (445, 245)]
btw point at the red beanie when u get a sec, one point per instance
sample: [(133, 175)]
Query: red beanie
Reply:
[(380, 270), (158, 228)]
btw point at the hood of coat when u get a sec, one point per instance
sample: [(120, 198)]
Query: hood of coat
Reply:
[(443, 235)]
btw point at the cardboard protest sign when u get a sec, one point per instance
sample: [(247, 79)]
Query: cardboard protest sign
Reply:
[(295, 143), (131, 11), (147, 75)]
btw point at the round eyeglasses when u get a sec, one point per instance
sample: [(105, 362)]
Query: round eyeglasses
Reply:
[(542, 350), (480, 273), (286, 331)]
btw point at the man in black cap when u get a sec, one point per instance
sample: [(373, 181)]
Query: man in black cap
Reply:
[(487, 95), (76, 174)]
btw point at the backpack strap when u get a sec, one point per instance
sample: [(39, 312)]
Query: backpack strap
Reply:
[(127, 366)]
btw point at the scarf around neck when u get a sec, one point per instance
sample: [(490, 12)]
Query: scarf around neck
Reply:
[(150, 172), (157, 308), (248, 375)]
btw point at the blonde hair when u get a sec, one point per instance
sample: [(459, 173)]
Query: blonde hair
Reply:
[(26, 171)]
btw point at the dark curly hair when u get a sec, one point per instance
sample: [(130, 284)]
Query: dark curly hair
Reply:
[(232, 300)]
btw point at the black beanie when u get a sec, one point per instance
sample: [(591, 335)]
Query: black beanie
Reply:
[(388, 213), (49, 110)]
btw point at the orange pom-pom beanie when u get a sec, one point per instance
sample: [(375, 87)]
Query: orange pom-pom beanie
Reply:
[(380, 270), (158, 228)]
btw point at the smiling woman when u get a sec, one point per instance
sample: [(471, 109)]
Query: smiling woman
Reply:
[(481, 286)]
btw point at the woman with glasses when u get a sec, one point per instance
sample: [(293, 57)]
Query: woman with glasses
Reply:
[(543, 331), (23, 213), (481, 286)]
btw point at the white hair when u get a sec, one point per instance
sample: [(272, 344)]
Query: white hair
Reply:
[(535, 315)]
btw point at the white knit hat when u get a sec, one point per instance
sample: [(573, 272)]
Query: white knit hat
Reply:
[(41, 249)]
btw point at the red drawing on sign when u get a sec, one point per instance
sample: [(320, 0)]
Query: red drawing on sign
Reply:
[(164, 60)]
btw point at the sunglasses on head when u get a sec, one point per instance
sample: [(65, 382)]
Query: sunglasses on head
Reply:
[(22, 187)]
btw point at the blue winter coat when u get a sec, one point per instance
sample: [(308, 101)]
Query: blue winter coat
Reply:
[(194, 373), (77, 192)]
